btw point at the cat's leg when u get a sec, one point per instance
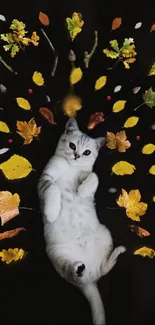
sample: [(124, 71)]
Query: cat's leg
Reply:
[(109, 264), (88, 186)]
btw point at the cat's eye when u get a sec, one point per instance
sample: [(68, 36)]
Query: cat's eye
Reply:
[(72, 146), (87, 152)]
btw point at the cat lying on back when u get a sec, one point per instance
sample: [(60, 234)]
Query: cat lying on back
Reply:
[(79, 246)]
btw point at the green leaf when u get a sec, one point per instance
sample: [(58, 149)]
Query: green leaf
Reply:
[(127, 42), (149, 97), (70, 24), (111, 54), (4, 37), (152, 71), (114, 45), (7, 47), (14, 50)]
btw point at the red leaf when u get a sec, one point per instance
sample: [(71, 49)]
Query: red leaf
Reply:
[(95, 119), (11, 233), (44, 18), (141, 232), (47, 114)]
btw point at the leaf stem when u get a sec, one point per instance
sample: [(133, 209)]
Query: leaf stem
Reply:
[(139, 106), (7, 66)]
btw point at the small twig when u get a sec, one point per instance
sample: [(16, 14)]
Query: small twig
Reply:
[(25, 208), (113, 208), (54, 65), (87, 56), (48, 40), (139, 106), (7, 66), (56, 57)]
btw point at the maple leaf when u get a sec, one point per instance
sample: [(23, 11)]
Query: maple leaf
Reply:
[(74, 24), (11, 255), (28, 130), (149, 97), (118, 141), (131, 202), (9, 204)]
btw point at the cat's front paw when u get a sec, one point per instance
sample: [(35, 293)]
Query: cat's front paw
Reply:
[(88, 186), (83, 190)]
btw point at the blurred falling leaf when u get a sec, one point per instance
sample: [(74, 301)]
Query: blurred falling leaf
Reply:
[(47, 113), (152, 28), (100, 82), (28, 130), (145, 251), (4, 150), (138, 25), (2, 18), (23, 103), (152, 71), (74, 24), (149, 97), (117, 88), (131, 202), (4, 128), (76, 75), (139, 231), (95, 119), (152, 170), (16, 167), (9, 204), (148, 149), (123, 168), (43, 18), (11, 255), (38, 78), (118, 106), (131, 121), (71, 104), (116, 23), (118, 141), (135, 90), (153, 199)]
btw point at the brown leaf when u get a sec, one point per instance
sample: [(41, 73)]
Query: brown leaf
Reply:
[(139, 231), (44, 18), (95, 119), (11, 233), (117, 141), (116, 23), (47, 113), (8, 206), (152, 28), (28, 130)]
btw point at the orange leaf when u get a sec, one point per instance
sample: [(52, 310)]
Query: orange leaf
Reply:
[(152, 28), (116, 23), (47, 114), (139, 231), (44, 18), (95, 119), (28, 130), (8, 206), (11, 233), (71, 104), (118, 141)]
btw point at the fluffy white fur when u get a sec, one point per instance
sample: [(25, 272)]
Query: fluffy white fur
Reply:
[(79, 246)]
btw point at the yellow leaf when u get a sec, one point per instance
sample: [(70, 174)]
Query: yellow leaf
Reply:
[(131, 121), (16, 167), (28, 130), (152, 170), (123, 168), (71, 105), (118, 141), (131, 202), (8, 206), (4, 127), (100, 82), (11, 255), (118, 106), (38, 78), (148, 149), (23, 103), (76, 75), (145, 251)]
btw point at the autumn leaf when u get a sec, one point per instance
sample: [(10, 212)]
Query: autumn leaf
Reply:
[(152, 28), (131, 202), (28, 130), (9, 204), (149, 97), (71, 104), (38, 78), (116, 23), (23, 103), (4, 128), (131, 121), (43, 18), (95, 119), (145, 251), (139, 231), (11, 255), (118, 141), (148, 149), (74, 24), (153, 199), (119, 106), (152, 170), (100, 82), (16, 167), (152, 70), (135, 90), (76, 75), (47, 113), (11, 233), (138, 25), (3, 150), (123, 168)]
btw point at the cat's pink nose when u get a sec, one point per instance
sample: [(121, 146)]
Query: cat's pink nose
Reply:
[(76, 155)]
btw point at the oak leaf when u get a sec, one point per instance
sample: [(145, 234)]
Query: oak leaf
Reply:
[(74, 24), (28, 130), (131, 202), (11, 255), (118, 141), (9, 204), (145, 251)]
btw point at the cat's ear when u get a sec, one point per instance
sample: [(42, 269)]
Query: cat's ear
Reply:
[(100, 142), (71, 126)]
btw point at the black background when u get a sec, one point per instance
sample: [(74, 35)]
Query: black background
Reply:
[(31, 291)]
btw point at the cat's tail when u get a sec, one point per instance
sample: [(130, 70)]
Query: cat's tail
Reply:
[(92, 294)]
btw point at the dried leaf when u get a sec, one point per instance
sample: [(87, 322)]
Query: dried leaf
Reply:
[(141, 232), (2, 18), (152, 71), (148, 149), (3, 89), (76, 75), (152, 170), (16, 167), (149, 97), (117, 88), (145, 251), (38, 78), (47, 113), (74, 24), (131, 121), (28, 130), (117, 141), (138, 25), (11, 255), (131, 202), (152, 28), (135, 90), (95, 119), (23, 103), (9, 204), (11, 233), (123, 168), (43, 18), (116, 23), (100, 82), (71, 104), (118, 106), (4, 128), (4, 150)]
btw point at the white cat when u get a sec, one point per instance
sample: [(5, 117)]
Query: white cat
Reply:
[(78, 245)]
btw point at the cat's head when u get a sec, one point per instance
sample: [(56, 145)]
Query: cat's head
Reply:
[(78, 148)]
